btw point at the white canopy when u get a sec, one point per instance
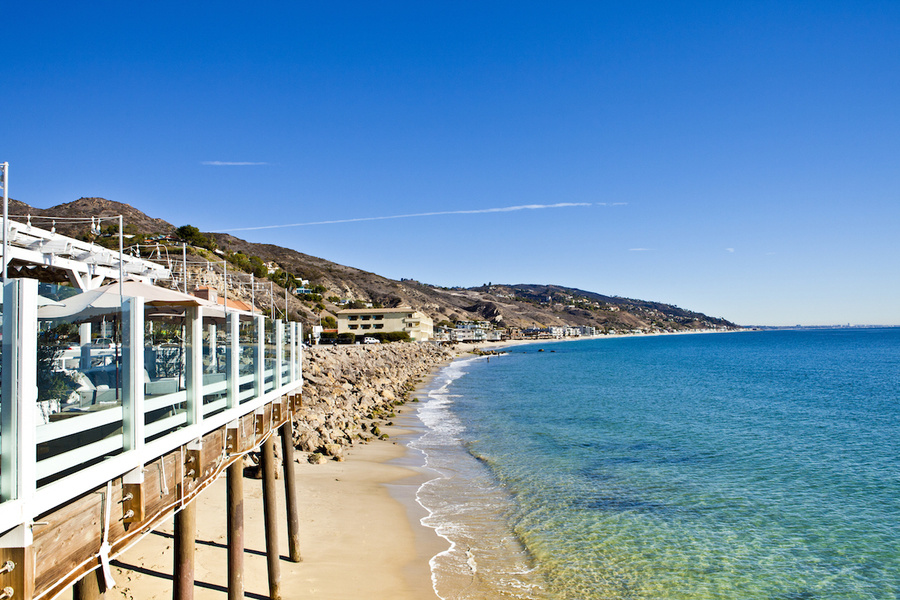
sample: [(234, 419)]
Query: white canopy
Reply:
[(105, 301)]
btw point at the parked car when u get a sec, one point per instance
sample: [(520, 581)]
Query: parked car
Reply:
[(371, 340), (102, 342)]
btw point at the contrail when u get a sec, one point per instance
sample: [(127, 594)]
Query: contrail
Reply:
[(427, 214)]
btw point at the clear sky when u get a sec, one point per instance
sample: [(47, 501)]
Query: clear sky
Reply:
[(737, 158)]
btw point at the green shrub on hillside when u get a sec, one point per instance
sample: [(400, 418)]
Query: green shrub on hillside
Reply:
[(191, 235)]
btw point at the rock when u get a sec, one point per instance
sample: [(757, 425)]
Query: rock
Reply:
[(346, 385), (317, 459), (334, 450), (319, 381)]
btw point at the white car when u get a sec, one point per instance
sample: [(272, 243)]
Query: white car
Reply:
[(371, 340)]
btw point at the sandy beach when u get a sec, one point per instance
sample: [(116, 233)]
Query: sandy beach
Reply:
[(357, 540), (360, 533)]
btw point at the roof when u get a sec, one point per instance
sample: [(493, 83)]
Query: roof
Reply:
[(367, 311)]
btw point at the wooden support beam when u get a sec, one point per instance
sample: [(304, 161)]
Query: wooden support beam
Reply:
[(193, 467), (133, 506), (290, 491), (89, 587), (271, 519), (18, 571), (278, 413), (185, 537), (235, 527), (260, 422), (233, 439)]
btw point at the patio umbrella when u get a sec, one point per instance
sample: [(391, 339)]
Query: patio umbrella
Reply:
[(105, 301)]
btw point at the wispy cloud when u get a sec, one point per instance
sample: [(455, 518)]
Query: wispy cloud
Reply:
[(224, 163), (729, 250), (478, 211), (639, 249)]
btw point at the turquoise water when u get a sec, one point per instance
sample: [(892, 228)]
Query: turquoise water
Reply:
[(745, 465)]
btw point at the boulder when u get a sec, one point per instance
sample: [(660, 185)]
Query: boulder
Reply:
[(317, 459)]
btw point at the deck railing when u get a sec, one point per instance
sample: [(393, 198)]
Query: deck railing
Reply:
[(73, 419)]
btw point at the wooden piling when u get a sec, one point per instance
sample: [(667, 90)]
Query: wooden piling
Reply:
[(235, 526), (286, 432), (185, 536), (88, 587), (271, 520)]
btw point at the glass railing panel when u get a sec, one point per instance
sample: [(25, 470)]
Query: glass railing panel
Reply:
[(247, 361), (3, 492), (165, 382), (79, 379), (215, 344), (298, 354), (286, 355), (271, 356)]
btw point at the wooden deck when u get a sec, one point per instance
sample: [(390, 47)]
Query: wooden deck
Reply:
[(77, 491)]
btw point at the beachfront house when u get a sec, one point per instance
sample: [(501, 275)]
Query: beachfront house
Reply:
[(363, 321)]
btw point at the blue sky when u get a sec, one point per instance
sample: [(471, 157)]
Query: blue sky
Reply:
[(739, 159)]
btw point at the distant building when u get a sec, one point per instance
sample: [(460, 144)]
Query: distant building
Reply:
[(468, 335), (361, 321), (475, 325)]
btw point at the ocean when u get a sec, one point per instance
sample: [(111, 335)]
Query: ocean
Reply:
[(751, 465)]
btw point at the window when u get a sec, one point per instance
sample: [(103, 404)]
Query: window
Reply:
[(367, 327), (379, 326), (353, 317), (366, 317), (378, 317), (353, 326)]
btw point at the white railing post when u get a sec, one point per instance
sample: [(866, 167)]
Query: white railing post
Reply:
[(260, 371), (195, 365), (8, 410), (232, 360), (133, 369), (279, 354), (18, 453), (27, 390)]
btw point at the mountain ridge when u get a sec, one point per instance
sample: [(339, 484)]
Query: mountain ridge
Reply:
[(505, 305)]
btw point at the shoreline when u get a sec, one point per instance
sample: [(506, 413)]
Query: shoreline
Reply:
[(411, 428)]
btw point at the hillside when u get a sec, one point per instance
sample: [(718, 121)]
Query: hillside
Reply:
[(518, 305)]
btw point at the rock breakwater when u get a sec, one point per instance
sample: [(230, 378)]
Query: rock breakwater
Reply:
[(349, 391)]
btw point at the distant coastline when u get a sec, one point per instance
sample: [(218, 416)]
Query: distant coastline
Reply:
[(803, 327)]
